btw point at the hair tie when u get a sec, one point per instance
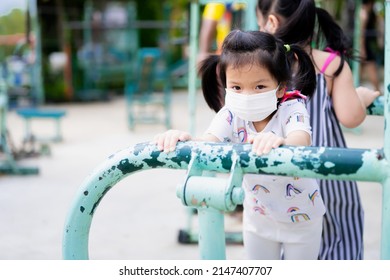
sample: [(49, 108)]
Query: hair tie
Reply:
[(288, 48), (290, 94)]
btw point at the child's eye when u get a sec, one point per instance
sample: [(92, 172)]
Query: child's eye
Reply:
[(260, 87), (236, 88)]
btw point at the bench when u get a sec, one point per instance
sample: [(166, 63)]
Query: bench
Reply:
[(42, 113)]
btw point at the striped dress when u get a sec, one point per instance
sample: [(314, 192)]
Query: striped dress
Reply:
[(343, 220)]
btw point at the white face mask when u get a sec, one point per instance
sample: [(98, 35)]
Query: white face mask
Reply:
[(251, 107)]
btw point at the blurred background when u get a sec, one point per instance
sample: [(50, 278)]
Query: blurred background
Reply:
[(85, 48), (82, 79)]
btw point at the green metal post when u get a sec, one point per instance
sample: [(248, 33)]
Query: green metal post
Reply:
[(36, 75), (192, 75), (356, 42), (385, 252), (197, 192), (211, 197), (250, 15), (87, 38), (211, 234)]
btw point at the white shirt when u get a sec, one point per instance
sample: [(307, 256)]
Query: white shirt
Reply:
[(284, 199)]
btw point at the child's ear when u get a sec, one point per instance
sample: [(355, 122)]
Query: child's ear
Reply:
[(281, 91), (272, 24)]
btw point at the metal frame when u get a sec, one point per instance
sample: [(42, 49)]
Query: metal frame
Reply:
[(313, 162), (8, 164)]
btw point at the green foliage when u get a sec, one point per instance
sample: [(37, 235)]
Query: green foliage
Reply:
[(12, 23)]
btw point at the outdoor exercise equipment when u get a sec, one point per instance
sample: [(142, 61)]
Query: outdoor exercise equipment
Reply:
[(8, 164), (109, 47), (116, 55), (32, 66), (22, 90), (141, 94), (213, 195), (210, 195)]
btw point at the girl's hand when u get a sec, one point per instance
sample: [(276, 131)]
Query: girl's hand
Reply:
[(367, 96), (167, 141), (264, 142)]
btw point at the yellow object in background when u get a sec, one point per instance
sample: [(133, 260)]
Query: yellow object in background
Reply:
[(217, 12), (214, 11)]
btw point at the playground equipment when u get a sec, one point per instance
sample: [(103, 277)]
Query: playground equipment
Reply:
[(109, 47), (210, 195), (20, 76), (8, 164), (28, 114), (140, 89), (21, 79), (115, 56)]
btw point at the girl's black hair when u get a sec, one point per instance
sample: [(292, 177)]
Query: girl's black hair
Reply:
[(299, 26), (289, 65)]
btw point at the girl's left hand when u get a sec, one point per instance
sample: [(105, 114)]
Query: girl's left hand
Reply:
[(264, 142)]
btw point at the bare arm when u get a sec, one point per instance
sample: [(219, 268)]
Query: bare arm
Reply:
[(349, 108), (206, 37)]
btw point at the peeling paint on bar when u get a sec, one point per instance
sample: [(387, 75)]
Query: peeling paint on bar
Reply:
[(315, 162), (377, 107)]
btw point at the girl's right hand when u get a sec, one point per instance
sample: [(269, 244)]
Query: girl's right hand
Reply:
[(167, 141)]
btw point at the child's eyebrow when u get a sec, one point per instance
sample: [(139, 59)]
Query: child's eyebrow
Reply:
[(262, 80)]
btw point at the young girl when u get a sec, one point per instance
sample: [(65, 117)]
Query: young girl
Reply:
[(335, 101), (280, 213)]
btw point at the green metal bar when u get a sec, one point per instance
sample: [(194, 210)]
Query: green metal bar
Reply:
[(385, 245), (377, 107), (313, 162)]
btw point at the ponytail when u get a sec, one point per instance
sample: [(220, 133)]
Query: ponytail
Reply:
[(213, 90), (334, 37), (304, 76)]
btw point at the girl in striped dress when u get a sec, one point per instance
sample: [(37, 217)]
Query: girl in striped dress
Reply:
[(335, 102)]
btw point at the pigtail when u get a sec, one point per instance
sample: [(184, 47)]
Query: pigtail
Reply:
[(213, 92), (304, 77), (334, 37)]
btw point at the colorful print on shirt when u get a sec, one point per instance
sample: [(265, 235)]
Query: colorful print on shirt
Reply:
[(258, 187), (298, 118)]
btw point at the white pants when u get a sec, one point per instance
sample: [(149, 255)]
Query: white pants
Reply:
[(272, 239)]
